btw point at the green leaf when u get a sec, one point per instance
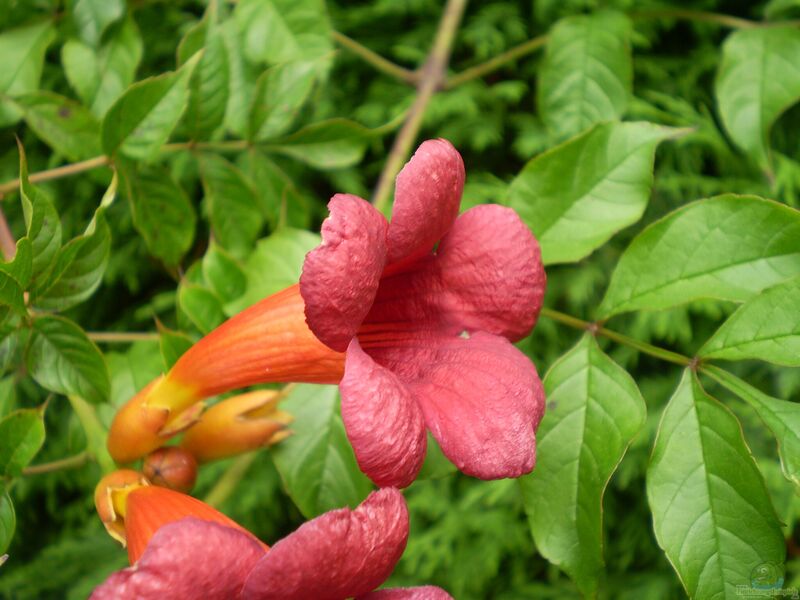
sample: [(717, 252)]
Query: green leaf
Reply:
[(780, 416), (92, 17), (274, 264), (316, 462), (236, 219), (201, 306), (209, 85), (100, 76), (15, 276), (436, 465), (224, 274), (62, 359), (758, 79), (96, 434), (173, 344), (141, 120), (131, 371), (711, 511), (21, 437), (766, 327), (728, 247), (579, 194), (42, 223), (594, 411), (280, 200), (66, 126), (333, 144), (242, 80), (276, 31), (23, 51), (162, 213), (280, 94), (587, 73), (8, 521), (79, 268)]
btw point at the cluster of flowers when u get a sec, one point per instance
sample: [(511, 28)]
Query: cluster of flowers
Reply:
[(414, 319)]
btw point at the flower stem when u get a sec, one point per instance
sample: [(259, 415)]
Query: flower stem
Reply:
[(121, 337), (695, 15), (231, 478), (375, 59), (595, 329), (432, 76), (495, 63), (57, 173), (71, 462)]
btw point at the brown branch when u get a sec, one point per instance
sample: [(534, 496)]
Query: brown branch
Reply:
[(432, 76)]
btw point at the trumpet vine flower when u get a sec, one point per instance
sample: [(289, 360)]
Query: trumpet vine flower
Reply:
[(181, 548), (414, 318)]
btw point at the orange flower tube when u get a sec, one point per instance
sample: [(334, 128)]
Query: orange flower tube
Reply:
[(268, 342)]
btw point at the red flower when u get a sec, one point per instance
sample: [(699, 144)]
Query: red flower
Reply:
[(181, 548), (428, 332), (425, 307)]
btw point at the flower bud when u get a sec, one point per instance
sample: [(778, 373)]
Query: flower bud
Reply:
[(171, 467), (236, 425)]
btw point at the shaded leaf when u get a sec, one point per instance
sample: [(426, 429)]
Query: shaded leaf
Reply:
[(280, 200), (330, 144), (8, 521), (99, 76), (232, 204), (42, 223), (711, 511), (66, 126), (758, 79), (21, 437), (173, 344), (223, 273), (92, 17), (577, 195), (23, 51), (728, 247), (594, 411), (209, 85), (201, 306), (587, 72), (62, 359), (274, 264), (276, 31), (162, 213), (141, 120), (316, 462), (766, 327), (280, 94)]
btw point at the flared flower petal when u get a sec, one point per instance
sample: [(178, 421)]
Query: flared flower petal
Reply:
[(481, 397), (427, 592), (426, 200), (383, 422), (491, 272), (486, 275), (340, 554), (341, 276), (189, 558)]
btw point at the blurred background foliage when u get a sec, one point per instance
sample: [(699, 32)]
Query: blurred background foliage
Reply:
[(467, 536)]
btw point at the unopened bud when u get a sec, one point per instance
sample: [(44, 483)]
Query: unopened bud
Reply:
[(171, 467), (236, 425)]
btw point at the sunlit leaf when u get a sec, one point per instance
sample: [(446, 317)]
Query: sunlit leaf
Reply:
[(728, 247), (24, 48), (201, 306), (223, 273), (92, 17), (758, 79), (577, 195), (711, 511), (587, 73), (330, 144), (767, 327), (141, 120), (594, 410)]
